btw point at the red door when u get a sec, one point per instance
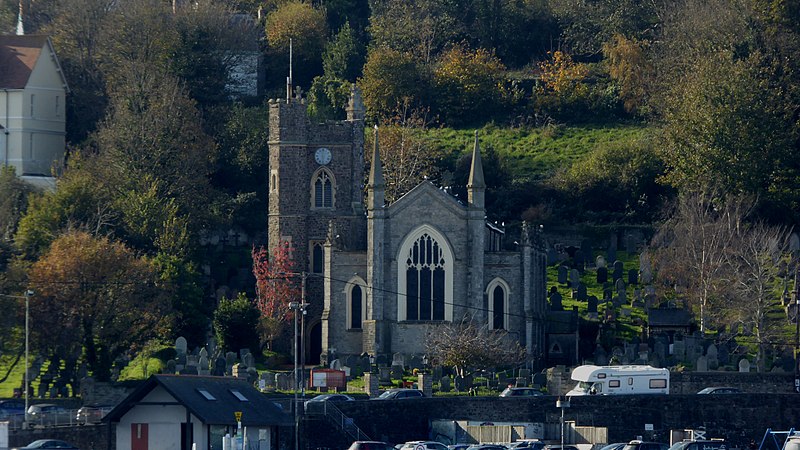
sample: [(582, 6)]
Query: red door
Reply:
[(138, 436)]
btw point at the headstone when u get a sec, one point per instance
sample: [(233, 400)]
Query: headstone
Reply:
[(600, 262), (249, 360), (602, 275), (794, 243), (555, 302), (580, 260), (192, 360), (581, 294), (552, 256), (592, 304), (397, 372), (444, 384), (385, 374), (633, 276), (702, 364), (574, 278), (230, 359), (600, 356), (562, 274), (398, 359), (744, 365), (723, 356), (460, 384), (171, 367), (352, 361), (203, 353), (381, 360), (202, 368), (336, 364), (189, 370), (630, 244), (645, 270), (619, 267), (625, 311), (612, 254), (415, 363), (712, 356), (180, 345), (660, 350), (243, 352), (679, 349), (283, 381), (619, 286), (219, 367)]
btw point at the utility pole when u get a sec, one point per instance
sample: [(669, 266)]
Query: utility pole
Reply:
[(796, 333), (299, 308), (28, 295)]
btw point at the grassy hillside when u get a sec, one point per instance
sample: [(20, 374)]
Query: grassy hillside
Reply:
[(535, 152)]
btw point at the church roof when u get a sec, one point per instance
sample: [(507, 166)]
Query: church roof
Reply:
[(424, 187), (18, 56)]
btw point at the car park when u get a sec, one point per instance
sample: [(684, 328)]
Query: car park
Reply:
[(720, 390), (47, 444), (370, 445), (642, 445), (400, 393), (521, 392)]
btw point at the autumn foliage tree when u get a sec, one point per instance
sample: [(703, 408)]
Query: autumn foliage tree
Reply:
[(275, 288), (95, 297)]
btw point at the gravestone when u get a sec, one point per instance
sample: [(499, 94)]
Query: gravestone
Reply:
[(398, 359), (189, 370), (397, 372), (591, 307), (619, 267), (679, 349), (555, 302), (600, 356), (625, 311), (611, 255), (249, 360), (180, 345), (385, 374), (600, 262), (602, 275), (723, 355), (203, 353), (180, 361), (744, 365), (230, 360), (539, 379), (619, 286), (525, 373), (202, 368), (415, 363), (336, 364), (219, 367), (243, 352), (645, 270), (171, 367), (382, 361), (633, 276), (444, 384), (552, 256), (562, 274), (460, 384), (269, 380), (283, 381), (581, 294), (574, 278), (580, 260), (660, 350), (617, 301), (794, 243), (712, 356), (352, 361)]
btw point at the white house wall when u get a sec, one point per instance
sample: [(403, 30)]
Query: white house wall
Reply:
[(163, 421)]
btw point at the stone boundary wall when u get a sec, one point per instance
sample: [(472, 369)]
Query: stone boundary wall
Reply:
[(88, 437), (735, 417)]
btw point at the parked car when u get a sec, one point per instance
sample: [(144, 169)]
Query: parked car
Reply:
[(423, 445), (400, 393), (614, 446), (520, 392), (792, 443), (49, 414), (558, 447), (641, 445), (47, 443), (486, 447), (458, 446), (709, 444), (526, 444), (12, 411), (92, 413), (370, 445), (720, 390)]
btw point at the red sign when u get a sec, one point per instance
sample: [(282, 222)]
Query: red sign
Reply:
[(328, 378)]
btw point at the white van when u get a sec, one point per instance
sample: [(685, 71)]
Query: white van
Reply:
[(616, 380)]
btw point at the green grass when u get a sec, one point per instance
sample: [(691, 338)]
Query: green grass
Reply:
[(15, 378), (535, 152)]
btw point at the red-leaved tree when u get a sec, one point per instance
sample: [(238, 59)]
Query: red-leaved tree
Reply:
[(276, 287)]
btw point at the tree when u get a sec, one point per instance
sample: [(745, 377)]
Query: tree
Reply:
[(392, 80), (235, 324), (344, 55), (630, 69), (276, 287), (13, 201), (691, 249), (183, 285), (420, 28), (468, 85), (755, 260), (407, 157), (96, 297), (469, 347), (307, 28)]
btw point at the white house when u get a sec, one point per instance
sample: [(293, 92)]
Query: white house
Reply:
[(32, 100), (173, 412)]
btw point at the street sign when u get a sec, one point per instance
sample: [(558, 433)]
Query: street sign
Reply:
[(238, 415)]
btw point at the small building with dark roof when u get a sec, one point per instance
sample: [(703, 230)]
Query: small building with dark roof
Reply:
[(669, 321), (177, 411)]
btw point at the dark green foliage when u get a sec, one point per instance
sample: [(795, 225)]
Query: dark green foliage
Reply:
[(13, 201), (344, 55), (184, 285), (192, 61), (235, 324)]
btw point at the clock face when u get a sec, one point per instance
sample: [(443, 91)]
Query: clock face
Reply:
[(322, 156)]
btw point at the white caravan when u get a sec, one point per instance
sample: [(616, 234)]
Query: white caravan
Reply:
[(617, 380)]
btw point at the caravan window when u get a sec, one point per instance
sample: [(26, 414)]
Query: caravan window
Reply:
[(658, 383), (613, 383), (630, 381)]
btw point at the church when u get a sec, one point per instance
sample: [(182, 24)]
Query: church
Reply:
[(382, 277)]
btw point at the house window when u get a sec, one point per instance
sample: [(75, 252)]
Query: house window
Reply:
[(497, 295), (317, 257), (425, 277), (322, 189)]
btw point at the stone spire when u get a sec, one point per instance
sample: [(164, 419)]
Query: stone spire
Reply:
[(376, 184), (476, 186), (355, 106), (20, 20)]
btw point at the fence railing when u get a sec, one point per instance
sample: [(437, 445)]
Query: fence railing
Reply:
[(337, 418)]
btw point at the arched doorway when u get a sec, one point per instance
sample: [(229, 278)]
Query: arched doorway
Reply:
[(314, 346)]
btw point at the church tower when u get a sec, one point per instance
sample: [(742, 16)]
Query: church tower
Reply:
[(315, 190)]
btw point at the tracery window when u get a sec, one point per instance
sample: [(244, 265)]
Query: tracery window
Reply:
[(425, 278), (322, 189)]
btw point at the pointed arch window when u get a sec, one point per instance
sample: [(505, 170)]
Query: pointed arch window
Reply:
[(322, 189), (317, 257), (425, 277), (356, 303), (497, 293)]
